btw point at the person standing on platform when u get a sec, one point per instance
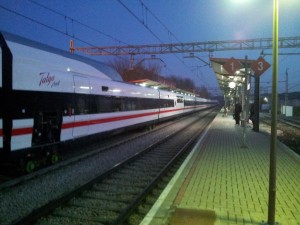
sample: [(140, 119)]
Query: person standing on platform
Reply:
[(237, 113), (225, 111), (252, 115)]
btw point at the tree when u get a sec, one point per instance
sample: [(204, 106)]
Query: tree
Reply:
[(202, 92), (183, 83), (121, 65), (141, 70)]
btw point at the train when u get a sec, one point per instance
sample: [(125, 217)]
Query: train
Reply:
[(49, 97)]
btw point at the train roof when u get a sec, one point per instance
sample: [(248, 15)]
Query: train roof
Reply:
[(107, 70)]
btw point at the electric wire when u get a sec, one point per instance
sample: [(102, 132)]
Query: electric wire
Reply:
[(48, 27), (161, 23), (147, 27), (74, 20), (172, 34), (77, 21), (293, 87), (141, 21)]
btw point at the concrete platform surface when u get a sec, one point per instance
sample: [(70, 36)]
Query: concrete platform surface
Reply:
[(223, 182)]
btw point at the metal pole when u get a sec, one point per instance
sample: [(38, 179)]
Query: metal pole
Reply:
[(225, 105), (286, 90), (246, 102), (256, 103), (273, 144)]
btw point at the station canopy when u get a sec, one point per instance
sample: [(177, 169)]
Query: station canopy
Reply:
[(162, 85), (151, 83), (230, 73)]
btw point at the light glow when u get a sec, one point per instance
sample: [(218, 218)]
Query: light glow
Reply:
[(232, 84), (115, 90)]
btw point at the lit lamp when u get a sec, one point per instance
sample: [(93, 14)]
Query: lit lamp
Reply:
[(231, 84)]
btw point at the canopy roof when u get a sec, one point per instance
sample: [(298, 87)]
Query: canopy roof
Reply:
[(225, 79)]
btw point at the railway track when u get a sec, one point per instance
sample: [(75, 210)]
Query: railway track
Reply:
[(288, 131), (266, 118), (20, 198), (112, 197), (75, 154)]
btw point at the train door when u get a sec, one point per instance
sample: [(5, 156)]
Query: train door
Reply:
[(179, 102), (0, 68), (81, 109), (6, 98), (1, 107), (46, 127)]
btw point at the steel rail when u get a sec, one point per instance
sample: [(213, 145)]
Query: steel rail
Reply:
[(46, 209), (134, 205), (8, 183)]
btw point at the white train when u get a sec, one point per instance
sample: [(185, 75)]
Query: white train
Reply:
[(49, 96)]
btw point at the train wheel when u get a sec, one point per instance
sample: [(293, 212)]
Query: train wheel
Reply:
[(149, 127), (54, 158), (30, 166)]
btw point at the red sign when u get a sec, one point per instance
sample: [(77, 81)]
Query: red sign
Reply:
[(260, 66), (232, 65)]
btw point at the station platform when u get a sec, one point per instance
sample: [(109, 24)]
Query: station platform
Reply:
[(225, 181)]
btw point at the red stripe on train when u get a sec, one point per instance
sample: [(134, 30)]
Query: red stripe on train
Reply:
[(21, 131), (105, 120), (28, 130), (18, 131)]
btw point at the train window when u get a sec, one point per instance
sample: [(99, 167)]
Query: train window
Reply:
[(147, 103), (104, 103), (179, 99), (105, 88), (116, 104), (189, 103), (82, 105), (135, 105), (130, 104), (166, 103)]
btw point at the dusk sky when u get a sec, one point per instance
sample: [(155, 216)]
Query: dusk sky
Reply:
[(109, 23)]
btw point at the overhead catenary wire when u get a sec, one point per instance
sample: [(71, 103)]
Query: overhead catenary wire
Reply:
[(141, 21), (45, 25), (85, 25), (171, 34), (294, 86), (70, 24), (161, 23), (53, 28), (71, 32), (147, 26), (77, 21)]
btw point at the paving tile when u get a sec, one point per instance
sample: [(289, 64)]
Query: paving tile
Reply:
[(233, 181)]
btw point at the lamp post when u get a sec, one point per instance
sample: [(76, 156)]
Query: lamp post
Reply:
[(273, 144), (286, 90), (245, 102)]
